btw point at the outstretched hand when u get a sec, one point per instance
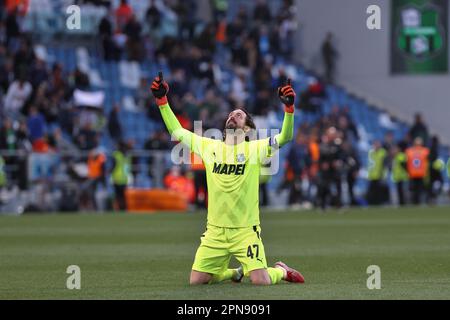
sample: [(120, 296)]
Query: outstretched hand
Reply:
[(287, 96), (160, 88)]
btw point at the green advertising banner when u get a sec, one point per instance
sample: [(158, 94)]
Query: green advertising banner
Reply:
[(419, 36)]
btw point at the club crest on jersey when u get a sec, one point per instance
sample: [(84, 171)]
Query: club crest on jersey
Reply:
[(240, 157)]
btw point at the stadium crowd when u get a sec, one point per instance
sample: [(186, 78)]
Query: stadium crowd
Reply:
[(39, 117)]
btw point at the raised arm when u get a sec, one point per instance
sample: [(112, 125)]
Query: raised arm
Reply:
[(287, 97), (160, 88)]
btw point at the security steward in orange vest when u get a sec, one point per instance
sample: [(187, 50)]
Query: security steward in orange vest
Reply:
[(417, 167), (96, 173)]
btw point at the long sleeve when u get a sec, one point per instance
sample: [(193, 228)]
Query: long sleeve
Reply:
[(287, 130), (174, 127)]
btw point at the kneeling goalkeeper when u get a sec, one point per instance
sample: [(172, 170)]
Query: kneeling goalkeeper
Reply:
[(232, 170)]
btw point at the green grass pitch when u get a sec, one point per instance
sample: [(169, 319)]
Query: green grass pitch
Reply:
[(126, 256)]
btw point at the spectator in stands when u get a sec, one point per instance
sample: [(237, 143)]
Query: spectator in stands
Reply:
[(53, 107), (312, 98), (6, 74), (351, 131), (62, 145), (18, 93), (12, 29), (153, 16), (286, 27), (265, 98), (261, 12), (120, 175), (235, 33), (133, 30), (143, 95), (191, 106), (207, 39), (36, 125), (418, 130), (66, 120), (377, 192), (186, 12), (24, 58), (39, 73), (81, 79), (417, 166), (399, 172), (243, 14), (348, 130), (57, 80), (105, 31), (329, 55), (178, 85), (8, 138), (87, 138), (114, 127), (211, 111), (123, 14)]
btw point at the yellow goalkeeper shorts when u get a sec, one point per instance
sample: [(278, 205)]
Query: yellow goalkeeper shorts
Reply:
[(219, 244)]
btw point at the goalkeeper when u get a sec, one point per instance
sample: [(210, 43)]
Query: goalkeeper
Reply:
[(233, 168)]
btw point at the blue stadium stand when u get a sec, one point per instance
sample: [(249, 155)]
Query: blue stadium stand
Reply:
[(138, 127)]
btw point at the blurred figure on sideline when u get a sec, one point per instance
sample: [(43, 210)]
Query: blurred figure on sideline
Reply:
[(377, 192), (417, 165), (120, 175), (399, 171)]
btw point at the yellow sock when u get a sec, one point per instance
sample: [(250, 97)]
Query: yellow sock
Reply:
[(227, 275), (275, 274)]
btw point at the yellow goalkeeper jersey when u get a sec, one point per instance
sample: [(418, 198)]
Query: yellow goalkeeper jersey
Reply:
[(232, 174), (232, 171)]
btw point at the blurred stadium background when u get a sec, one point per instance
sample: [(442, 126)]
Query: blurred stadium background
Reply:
[(72, 100)]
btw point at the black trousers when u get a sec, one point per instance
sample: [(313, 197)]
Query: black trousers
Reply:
[(435, 185), (417, 187), (295, 192), (400, 192), (323, 194), (119, 191), (377, 193), (350, 185)]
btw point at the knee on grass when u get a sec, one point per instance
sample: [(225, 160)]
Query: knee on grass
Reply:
[(198, 278)]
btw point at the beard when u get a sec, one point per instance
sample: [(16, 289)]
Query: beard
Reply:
[(231, 125)]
